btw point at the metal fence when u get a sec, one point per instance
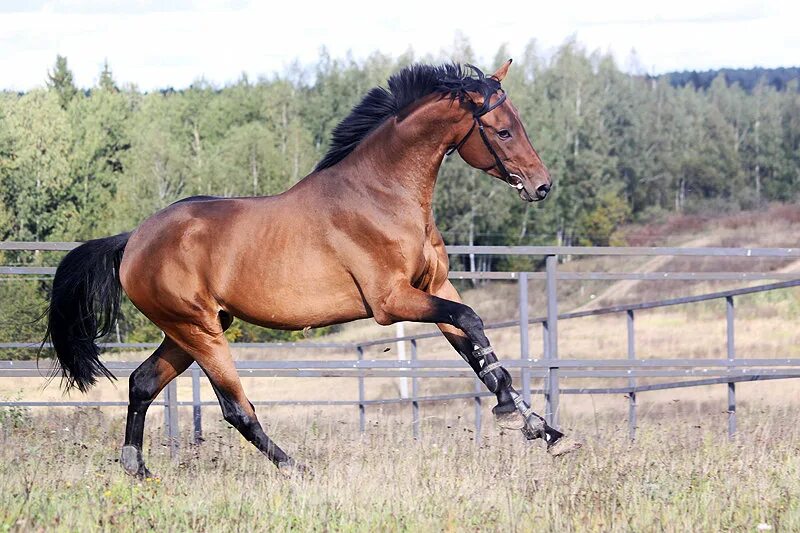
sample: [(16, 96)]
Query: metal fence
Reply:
[(550, 368)]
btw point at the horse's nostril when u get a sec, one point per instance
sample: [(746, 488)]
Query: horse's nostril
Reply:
[(542, 190)]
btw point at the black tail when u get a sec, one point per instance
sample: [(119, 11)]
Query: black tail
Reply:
[(83, 308)]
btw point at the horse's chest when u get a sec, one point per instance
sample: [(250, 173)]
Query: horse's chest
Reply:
[(425, 270)]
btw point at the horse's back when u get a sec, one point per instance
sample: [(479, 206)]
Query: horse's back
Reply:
[(199, 198), (260, 259)]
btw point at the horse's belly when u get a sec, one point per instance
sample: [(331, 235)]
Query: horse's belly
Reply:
[(298, 302)]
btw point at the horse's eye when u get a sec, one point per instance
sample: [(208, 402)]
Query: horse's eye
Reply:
[(504, 134)]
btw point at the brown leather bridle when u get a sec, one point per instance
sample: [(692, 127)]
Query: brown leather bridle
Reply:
[(476, 121)]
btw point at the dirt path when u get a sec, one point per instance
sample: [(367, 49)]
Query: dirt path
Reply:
[(653, 265)]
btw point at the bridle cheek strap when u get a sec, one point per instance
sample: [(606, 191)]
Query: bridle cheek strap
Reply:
[(498, 163), (476, 120)]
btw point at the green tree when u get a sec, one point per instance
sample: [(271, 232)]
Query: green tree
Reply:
[(35, 184), (761, 149), (98, 157), (60, 80), (788, 185), (106, 81)]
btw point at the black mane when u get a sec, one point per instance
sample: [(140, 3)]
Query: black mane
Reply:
[(405, 87)]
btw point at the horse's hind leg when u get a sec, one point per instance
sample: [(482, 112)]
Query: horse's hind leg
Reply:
[(167, 362), (213, 355)]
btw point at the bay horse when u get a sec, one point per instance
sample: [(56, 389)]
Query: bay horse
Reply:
[(354, 239)]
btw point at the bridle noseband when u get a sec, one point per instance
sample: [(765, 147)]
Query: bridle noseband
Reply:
[(476, 120)]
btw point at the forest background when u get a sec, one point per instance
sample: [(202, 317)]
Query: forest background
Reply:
[(622, 146)]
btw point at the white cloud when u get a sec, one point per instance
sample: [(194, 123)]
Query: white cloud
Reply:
[(157, 44)]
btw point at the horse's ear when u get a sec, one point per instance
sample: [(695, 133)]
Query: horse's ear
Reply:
[(502, 71)]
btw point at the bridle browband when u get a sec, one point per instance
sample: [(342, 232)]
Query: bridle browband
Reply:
[(476, 121)]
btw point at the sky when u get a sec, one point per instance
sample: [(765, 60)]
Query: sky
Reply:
[(171, 43)]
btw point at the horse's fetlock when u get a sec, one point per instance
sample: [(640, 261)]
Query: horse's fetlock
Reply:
[(504, 378)]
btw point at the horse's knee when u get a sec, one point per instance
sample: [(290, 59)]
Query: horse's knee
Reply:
[(468, 321)]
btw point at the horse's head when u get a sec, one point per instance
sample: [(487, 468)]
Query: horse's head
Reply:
[(497, 143)]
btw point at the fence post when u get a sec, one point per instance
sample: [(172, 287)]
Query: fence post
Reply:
[(551, 388), (545, 342), (729, 318), (402, 382), (414, 392), (362, 415), (478, 411), (524, 341), (171, 412), (631, 381), (197, 414)]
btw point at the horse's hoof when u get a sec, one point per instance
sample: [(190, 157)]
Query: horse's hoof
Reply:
[(131, 460), (291, 468), (511, 420), (133, 464), (563, 446)]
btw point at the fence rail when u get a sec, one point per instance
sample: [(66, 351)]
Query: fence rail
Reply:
[(629, 367), (519, 250)]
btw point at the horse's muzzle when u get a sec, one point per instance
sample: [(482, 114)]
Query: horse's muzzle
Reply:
[(537, 196), (542, 190), (517, 182)]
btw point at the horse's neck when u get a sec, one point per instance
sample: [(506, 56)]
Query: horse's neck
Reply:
[(403, 157), (413, 163)]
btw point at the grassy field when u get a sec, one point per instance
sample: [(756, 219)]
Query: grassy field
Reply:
[(59, 472)]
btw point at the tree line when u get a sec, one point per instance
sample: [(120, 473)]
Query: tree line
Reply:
[(747, 78), (80, 163)]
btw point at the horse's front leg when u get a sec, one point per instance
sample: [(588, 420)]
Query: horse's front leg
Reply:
[(464, 329), (513, 414)]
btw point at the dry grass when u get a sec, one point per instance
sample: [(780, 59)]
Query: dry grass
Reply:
[(59, 472)]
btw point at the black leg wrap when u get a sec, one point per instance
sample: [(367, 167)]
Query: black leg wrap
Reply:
[(495, 377)]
